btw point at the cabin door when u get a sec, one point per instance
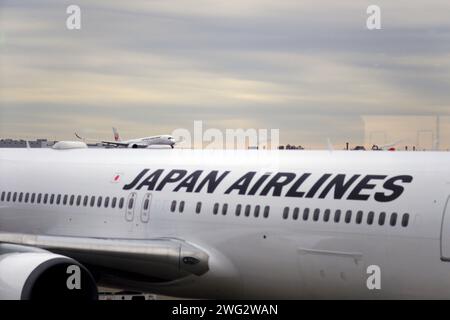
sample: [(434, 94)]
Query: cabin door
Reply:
[(129, 210), (146, 204), (445, 232)]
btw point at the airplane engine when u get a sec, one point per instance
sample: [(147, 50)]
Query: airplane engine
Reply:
[(42, 275)]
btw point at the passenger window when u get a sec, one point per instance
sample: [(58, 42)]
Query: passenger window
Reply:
[(113, 202), (266, 211), (405, 220), (58, 199), (8, 197), (173, 206), (92, 203), (316, 214), (85, 201), (286, 213), (14, 196), (20, 196), (247, 210), (348, 216), (370, 218), (27, 197), (181, 206), (238, 210), (65, 199), (33, 196), (326, 215), (393, 220), (106, 204), (359, 217), (337, 216), (122, 201), (3, 195), (256, 212), (99, 201), (381, 218), (45, 198), (216, 208), (224, 209), (305, 214), (72, 200), (39, 197), (198, 208), (52, 198), (295, 213), (78, 200)]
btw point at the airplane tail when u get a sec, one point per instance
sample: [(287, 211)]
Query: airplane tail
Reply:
[(116, 135)]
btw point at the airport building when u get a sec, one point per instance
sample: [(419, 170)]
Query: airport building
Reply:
[(39, 143)]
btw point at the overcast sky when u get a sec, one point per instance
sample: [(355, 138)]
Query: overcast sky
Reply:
[(309, 68)]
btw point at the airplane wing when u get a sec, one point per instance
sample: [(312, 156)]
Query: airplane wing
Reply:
[(107, 143), (122, 144), (159, 259), (392, 144), (115, 143)]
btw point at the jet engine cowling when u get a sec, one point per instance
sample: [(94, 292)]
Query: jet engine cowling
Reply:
[(42, 275)]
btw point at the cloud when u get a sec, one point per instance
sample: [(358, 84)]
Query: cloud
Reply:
[(152, 66)]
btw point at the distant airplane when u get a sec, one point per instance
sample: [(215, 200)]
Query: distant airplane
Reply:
[(388, 147), (145, 142)]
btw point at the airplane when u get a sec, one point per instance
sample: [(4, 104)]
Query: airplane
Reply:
[(388, 146), (135, 143), (224, 224)]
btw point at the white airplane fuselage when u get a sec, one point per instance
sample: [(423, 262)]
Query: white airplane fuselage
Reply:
[(273, 255), (166, 140)]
